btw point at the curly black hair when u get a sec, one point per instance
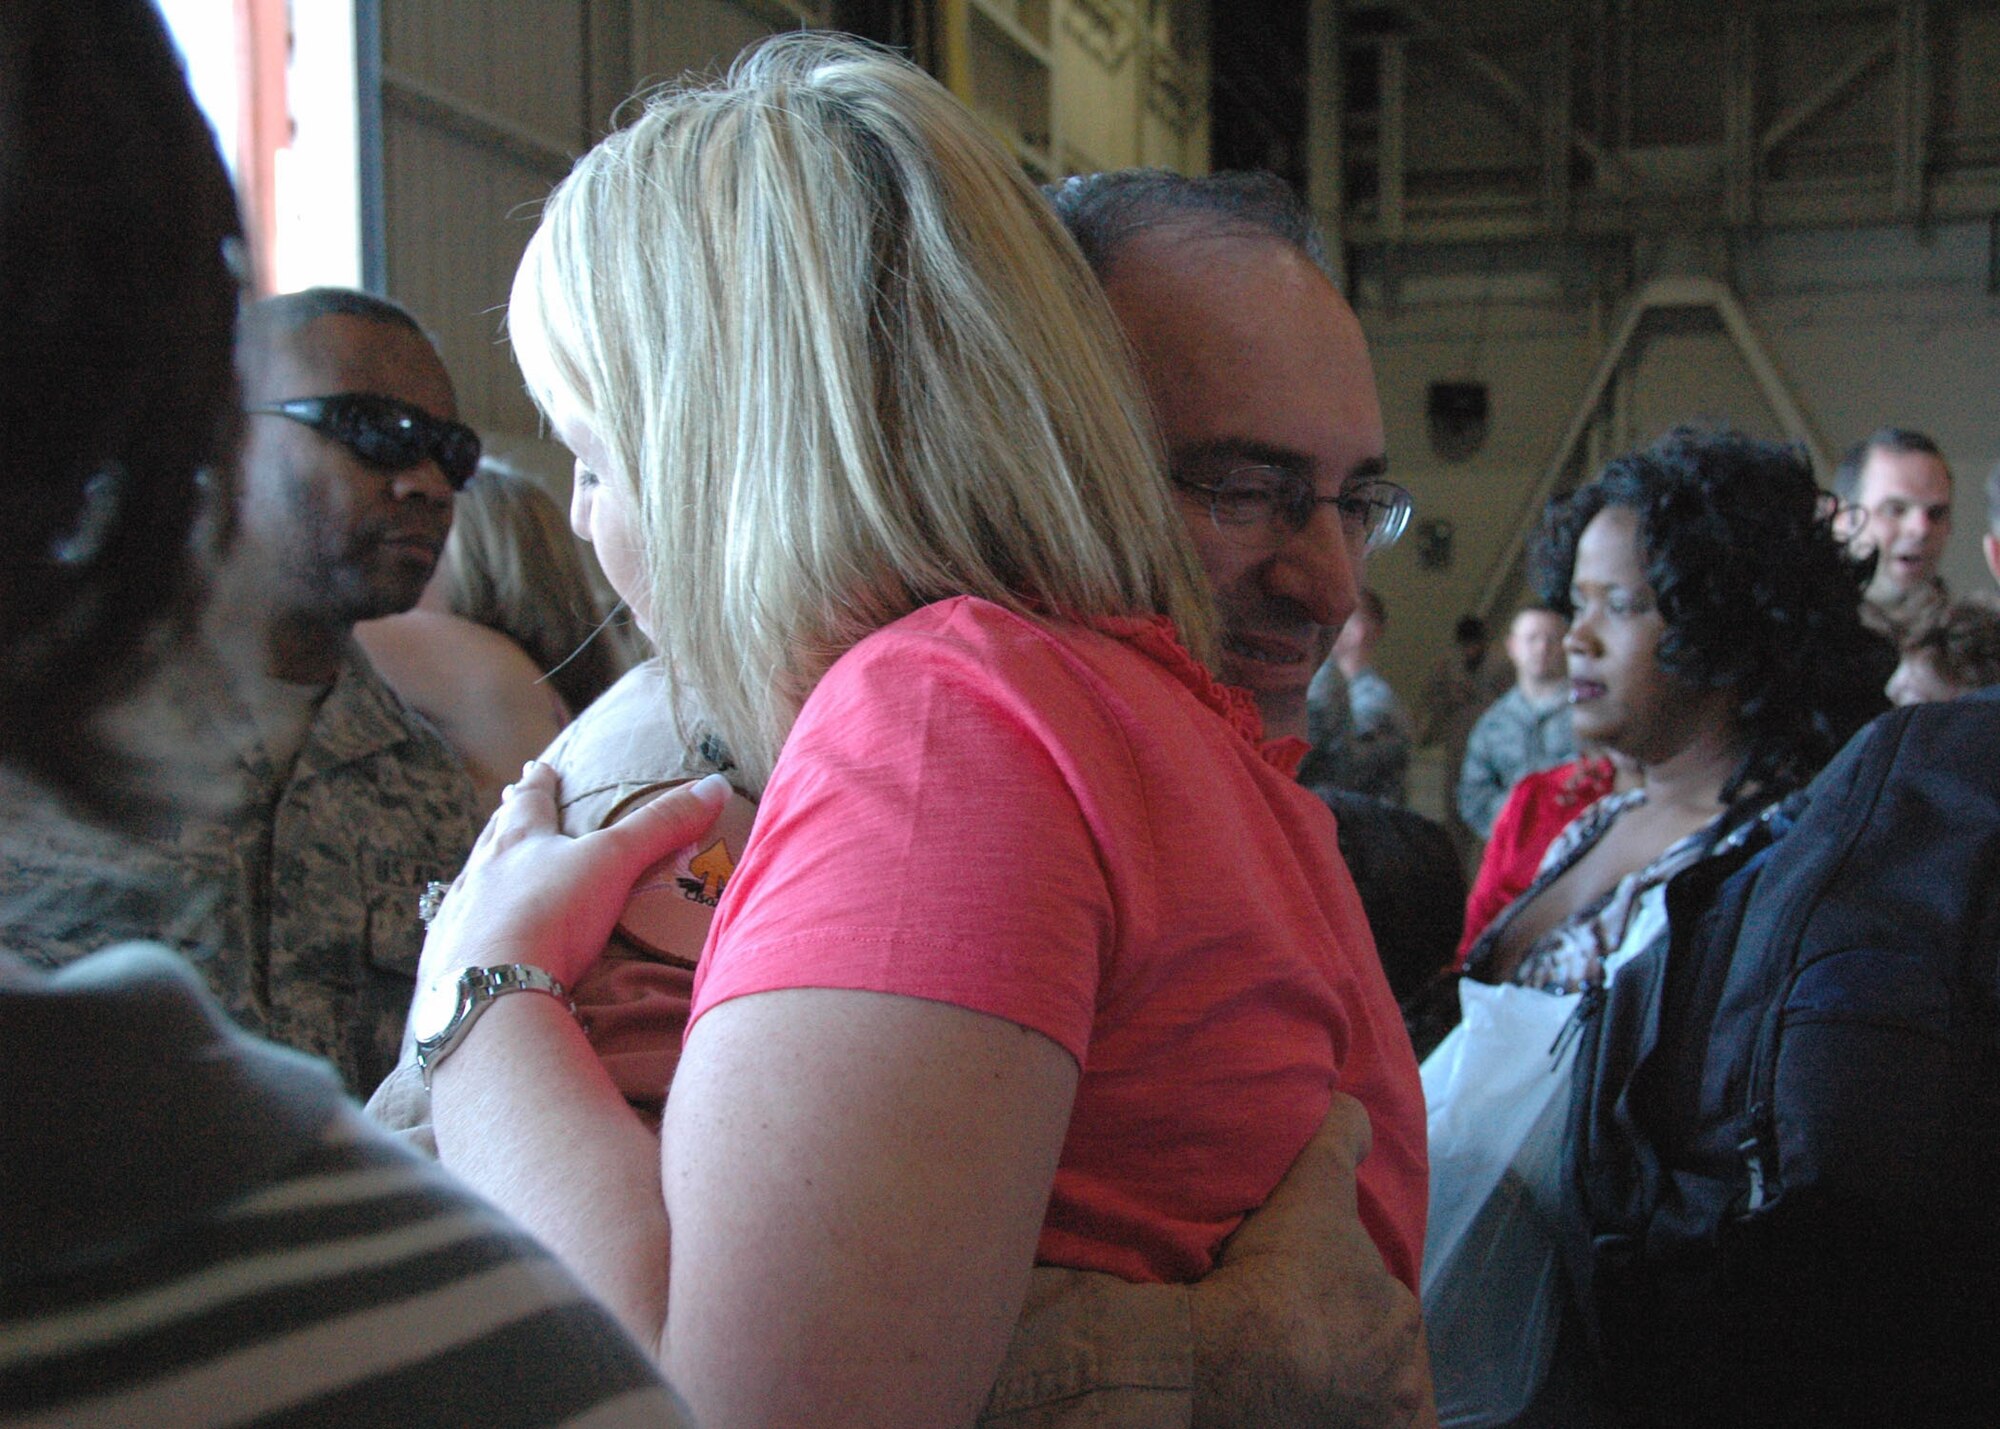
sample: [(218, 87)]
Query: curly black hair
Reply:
[(1758, 594)]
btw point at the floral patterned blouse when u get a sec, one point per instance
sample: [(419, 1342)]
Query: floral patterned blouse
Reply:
[(1628, 916)]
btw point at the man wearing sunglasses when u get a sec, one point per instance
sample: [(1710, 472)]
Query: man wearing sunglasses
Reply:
[(352, 452), (298, 901)]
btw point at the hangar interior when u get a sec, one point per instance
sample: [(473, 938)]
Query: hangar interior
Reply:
[(1566, 224)]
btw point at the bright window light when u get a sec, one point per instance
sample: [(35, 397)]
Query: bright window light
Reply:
[(297, 168)]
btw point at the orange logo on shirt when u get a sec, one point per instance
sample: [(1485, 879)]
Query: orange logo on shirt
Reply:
[(710, 869)]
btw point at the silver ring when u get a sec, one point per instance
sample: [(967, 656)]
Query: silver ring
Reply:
[(430, 900)]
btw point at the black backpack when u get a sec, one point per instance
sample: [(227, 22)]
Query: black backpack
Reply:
[(1785, 1133)]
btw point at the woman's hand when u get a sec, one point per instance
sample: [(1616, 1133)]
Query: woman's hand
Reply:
[(531, 894)]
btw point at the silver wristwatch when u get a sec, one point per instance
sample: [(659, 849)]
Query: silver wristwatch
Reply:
[(446, 1008)]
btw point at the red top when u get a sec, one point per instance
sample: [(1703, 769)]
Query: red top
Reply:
[(1540, 807), (1080, 831)]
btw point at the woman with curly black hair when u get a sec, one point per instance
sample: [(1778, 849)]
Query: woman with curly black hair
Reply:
[(1715, 639)]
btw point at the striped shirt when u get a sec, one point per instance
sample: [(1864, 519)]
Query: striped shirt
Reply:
[(197, 1229)]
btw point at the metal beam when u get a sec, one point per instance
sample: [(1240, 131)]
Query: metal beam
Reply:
[(1739, 120), (1503, 84), (1661, 293), (1389, 147), (1556, 128), (1810, 108), (407, 94), (1815, 203), (1326, 182), (1912, 106)]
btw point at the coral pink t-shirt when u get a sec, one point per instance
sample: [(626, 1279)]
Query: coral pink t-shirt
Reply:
[(1075, 829)]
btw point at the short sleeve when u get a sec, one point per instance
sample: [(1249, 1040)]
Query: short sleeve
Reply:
[(925, 833)]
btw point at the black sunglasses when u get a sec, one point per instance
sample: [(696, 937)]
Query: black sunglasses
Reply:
[(385, 433)]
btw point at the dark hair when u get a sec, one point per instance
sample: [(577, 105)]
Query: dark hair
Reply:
[(1469, 629), (1103, 212), (1758, 594), (1962, 641), (1847, 476), (119, 252), (268, 319)]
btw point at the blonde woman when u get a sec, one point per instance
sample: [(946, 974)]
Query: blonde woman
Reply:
[(1032, 954)]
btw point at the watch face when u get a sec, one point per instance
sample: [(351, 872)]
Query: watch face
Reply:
[(435, 1005)]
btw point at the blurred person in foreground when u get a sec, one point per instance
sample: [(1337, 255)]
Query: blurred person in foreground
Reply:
[(296, 894), (196, 1227)]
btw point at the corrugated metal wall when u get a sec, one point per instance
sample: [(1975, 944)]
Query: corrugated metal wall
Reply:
[(485, 104)]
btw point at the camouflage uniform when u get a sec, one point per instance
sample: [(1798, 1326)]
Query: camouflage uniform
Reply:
[(297, 902)]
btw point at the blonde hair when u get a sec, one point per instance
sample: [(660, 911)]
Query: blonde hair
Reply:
[(512, 565), (850, 364)]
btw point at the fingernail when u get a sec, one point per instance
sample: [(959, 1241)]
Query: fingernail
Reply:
[(711, 789)]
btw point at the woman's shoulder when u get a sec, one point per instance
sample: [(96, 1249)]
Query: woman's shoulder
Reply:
[(971, 642), (443, 659), (1113, 678), (974, 622)]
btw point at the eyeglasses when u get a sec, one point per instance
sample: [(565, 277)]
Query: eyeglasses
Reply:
[(387, 434), (1268, 503)]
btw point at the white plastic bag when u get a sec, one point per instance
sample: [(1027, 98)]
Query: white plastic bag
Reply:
[(1497, 1093)]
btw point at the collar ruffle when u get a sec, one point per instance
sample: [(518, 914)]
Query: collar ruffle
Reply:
[(1154, 636)]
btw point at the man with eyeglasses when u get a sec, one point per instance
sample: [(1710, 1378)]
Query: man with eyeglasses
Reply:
[(336, 805), (1266, 398), (1262, 385)]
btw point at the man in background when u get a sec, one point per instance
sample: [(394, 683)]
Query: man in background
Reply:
[(1527, 728), (1372, 755), (1897, 488)]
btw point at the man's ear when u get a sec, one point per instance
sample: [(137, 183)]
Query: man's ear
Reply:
[(1990, 544)]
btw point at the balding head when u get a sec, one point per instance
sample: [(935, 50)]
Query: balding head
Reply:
[(1104, 212), (1259, 375)]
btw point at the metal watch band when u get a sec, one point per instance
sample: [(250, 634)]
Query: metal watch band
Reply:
[(478, 988)]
